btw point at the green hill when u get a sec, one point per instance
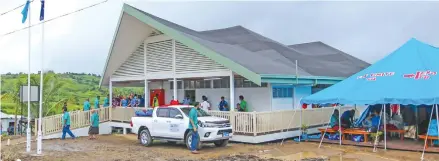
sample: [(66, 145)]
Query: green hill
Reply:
[(72, 88)]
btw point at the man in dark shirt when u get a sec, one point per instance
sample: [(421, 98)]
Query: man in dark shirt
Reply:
[(347, 118)]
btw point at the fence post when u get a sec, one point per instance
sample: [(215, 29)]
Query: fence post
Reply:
[(111, 113), (254, 123), (36, 127), (232, 120)]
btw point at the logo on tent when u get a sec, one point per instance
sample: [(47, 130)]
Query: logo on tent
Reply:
[(373, 76), (420, 75)]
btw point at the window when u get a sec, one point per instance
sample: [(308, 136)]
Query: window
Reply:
[(221, 83), (163, 112), (203, 84), (244, 83), (174, 112), (282, 92), (189, 84), (171, 84), (239, 82)]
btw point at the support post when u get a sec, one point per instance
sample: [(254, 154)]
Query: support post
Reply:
[(428, 129), (110, 91), (146, 89), (232, 100), (174, 57), (375, 144), (254, 123)]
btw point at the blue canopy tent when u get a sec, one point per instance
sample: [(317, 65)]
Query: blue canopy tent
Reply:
[(406, 76)]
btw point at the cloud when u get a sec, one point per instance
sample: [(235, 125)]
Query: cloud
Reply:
[(80, 42)]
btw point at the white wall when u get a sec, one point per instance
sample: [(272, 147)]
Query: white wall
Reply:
[(5, 124), (282, 104)]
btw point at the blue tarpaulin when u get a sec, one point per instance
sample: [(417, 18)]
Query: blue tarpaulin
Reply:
[(406, 76)]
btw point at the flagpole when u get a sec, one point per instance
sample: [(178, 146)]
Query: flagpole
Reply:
[(28, 135), (40, 134), (40, 137)]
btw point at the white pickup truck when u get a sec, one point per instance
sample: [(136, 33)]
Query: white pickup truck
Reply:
[(170, 123)]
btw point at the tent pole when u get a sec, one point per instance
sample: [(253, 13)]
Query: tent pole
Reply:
[(323, 136), (428, 129), (378, 129), (437, 119), (339, 124), (289, 125), (385, 128), (300, 134)]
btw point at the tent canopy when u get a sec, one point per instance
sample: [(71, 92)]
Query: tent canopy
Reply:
[(406, 76)]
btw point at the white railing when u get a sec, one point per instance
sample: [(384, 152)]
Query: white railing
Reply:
[(244, 123), (78, 119), (254, 123)]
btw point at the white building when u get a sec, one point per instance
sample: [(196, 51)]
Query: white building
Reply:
[(7, 120), (151, 52)]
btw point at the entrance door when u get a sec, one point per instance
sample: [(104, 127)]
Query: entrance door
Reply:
[(191, 94)]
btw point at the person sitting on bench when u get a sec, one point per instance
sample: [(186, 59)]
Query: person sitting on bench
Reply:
[(347, 118)]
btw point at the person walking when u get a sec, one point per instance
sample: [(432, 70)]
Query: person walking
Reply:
[(97, 102), (94, 125), (87, 104), (66, 124), (106, 101), (193, 127)]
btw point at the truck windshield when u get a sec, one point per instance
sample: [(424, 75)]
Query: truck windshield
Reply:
[(201, 113)]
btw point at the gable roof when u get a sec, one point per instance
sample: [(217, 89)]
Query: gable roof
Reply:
[(241, 50)]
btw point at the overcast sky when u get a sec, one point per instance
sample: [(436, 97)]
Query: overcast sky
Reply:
[(80, 42)]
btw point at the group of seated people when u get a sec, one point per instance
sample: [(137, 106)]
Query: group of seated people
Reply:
[(375, 122), (372, 123), (133, 100)]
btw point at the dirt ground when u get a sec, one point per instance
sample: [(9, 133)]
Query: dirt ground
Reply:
[(127, 148)]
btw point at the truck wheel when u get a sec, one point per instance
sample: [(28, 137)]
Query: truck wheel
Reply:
[(221, 143), (188, 141), (145, 138)]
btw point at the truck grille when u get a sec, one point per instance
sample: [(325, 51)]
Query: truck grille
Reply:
[(220, 132)]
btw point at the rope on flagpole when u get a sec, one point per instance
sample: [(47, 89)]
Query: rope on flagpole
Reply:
[(76, 11), (4, 13)]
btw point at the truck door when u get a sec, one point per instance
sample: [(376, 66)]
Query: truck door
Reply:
[(161, 123), (177, 126)]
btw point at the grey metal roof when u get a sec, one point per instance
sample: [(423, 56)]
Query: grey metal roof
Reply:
[(263, 55), (334, 60)]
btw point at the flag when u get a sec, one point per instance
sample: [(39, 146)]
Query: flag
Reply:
[(25, 10), (42, 10)]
